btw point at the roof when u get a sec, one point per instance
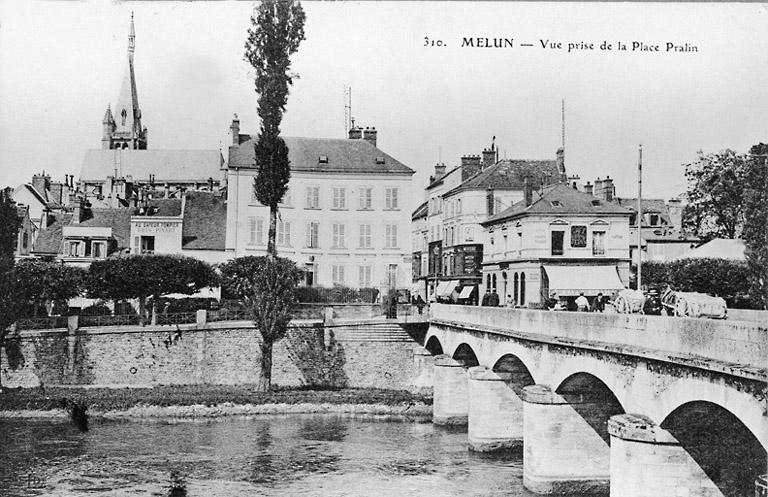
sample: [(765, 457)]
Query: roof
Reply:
[(167, 207), (421, 211), (509, 175), (439, 181), (649, 205), (166, 165), (205, 221), (560, 200), (720, 248), (344, 156), (50, 238)]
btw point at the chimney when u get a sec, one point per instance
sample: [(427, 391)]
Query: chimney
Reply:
[(369, 135), (439, 171), (235, 130), (598, 189), (588, 188), (489, 157), (490, 201), (56, 192), (78, 214), (527, 191), (41, 183), (470, 165), (608, 189), (561, 161), (675, 209), (355, 133)]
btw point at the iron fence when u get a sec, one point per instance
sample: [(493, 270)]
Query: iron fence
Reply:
[(44, 323)]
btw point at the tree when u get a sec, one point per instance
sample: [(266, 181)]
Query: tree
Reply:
[(277, 29), (716, 184), (39, 282), (9, 232), (755, 232), (142, 276), (268, 286)]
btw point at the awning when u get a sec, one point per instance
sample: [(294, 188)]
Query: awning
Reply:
[(572, 280), (466, 292), (447, 288), (418, 287)]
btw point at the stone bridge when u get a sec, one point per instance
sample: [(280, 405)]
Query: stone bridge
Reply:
[(607, 403)]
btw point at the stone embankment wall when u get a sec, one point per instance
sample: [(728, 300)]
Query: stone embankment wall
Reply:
[(377, 355)]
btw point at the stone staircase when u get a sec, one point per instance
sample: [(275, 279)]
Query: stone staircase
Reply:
[(373, 330)]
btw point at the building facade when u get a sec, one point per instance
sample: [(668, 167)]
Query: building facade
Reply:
[(343, 219), (556, 240)]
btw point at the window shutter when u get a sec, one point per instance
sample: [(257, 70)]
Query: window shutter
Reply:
[(259, 231), (288, 233)]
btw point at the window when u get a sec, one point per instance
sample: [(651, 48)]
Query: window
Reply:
[(598, 243), (391, 198), (313, 235), (338, 275), (256, 231), (284, 233), (654, 219), (364, 272), (313, 197), (452, 241), (458, 206), (522, 288), (506, 243), (98, 250), (339, 197), (557, 242), (24, 241), (366, 197), (365, 236), (469, 233), (578, 236), (497, 205), (519, 242), (323, 159), (339, 238), (73, 249), (147, 244), (391, 236)]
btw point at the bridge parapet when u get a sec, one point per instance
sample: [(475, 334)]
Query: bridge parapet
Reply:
[(736, 347)]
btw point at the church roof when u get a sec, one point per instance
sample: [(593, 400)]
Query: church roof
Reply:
[(205, 221), (167, 165), (343, 156)]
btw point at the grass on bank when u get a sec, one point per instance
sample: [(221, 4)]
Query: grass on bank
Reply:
[(109, 399)]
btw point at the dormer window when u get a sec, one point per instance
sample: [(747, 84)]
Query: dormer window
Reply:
[(323, 159), (379, 160), (556, 203), (595, 202)]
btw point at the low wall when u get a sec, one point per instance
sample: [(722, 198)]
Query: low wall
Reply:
[(728, 341), (213, 353)]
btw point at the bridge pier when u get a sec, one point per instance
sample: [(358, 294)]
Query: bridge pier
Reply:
[(495, 420), (648, 460), (450, 405), (563, 454)]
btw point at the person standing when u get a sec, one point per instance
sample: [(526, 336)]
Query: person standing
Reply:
[(582, 304)]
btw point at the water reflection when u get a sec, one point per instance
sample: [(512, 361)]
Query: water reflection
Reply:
[(323, 455)]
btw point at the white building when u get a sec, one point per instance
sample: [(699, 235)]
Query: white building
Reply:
[(343, 219), (556, 240)]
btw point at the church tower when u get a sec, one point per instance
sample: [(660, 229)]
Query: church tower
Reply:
[(123, 128)]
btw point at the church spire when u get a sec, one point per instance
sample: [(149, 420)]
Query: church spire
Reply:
[(131, 39)]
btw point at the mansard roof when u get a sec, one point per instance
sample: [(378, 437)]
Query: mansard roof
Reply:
[(559, 200), (343, 156), (168, 166), (510, 174)]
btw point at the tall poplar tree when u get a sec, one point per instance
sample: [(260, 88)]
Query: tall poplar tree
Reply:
[(9, 230), (756, 221), (277, 29)]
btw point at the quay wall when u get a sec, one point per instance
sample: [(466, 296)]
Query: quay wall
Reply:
[(377, 355)]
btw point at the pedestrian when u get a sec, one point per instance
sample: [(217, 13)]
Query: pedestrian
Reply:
[(599, 303), (510, 301), (582, 304), (552, 301)]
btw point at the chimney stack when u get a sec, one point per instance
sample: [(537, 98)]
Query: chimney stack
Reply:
[(439, 171), (41, 183), (470, 165), (78, 215), (598, 189), (490, 200), (527, 191), (588, 188), (355, 133), (369, 135), (608, 189), (489, 157), (561, 161), (235, 129)]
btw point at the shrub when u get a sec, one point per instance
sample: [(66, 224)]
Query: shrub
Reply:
[(97, 309)]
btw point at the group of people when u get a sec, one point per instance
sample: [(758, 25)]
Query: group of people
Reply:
[(579, 304)]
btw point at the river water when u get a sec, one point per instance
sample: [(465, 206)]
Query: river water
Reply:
[(323, 455)]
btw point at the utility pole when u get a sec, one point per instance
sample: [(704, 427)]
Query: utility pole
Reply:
[(639, 218)]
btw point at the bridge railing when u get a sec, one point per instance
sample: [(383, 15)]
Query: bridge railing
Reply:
[(735, 342)]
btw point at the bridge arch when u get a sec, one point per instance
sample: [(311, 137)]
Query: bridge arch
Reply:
[(465, 355), (723, 446), (520, 375), (592, 399), (433, 345)]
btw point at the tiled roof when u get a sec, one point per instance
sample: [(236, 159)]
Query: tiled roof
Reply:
[(559, 200), (49, 239), (421, 211), (344, 156), (650, 205), (168, 207), (205, 221), (166, 165), (441, 179), (510, 175)]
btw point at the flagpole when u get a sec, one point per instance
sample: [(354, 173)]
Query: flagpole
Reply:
[(640, 218)]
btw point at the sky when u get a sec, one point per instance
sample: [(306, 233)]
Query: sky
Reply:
[(63, 62)]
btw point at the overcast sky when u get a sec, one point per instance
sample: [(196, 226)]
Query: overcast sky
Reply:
[(62, 63)]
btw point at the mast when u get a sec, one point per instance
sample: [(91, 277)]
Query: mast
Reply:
[(639, 218)]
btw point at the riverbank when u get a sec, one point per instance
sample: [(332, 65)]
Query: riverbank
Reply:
[(209, 401)]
